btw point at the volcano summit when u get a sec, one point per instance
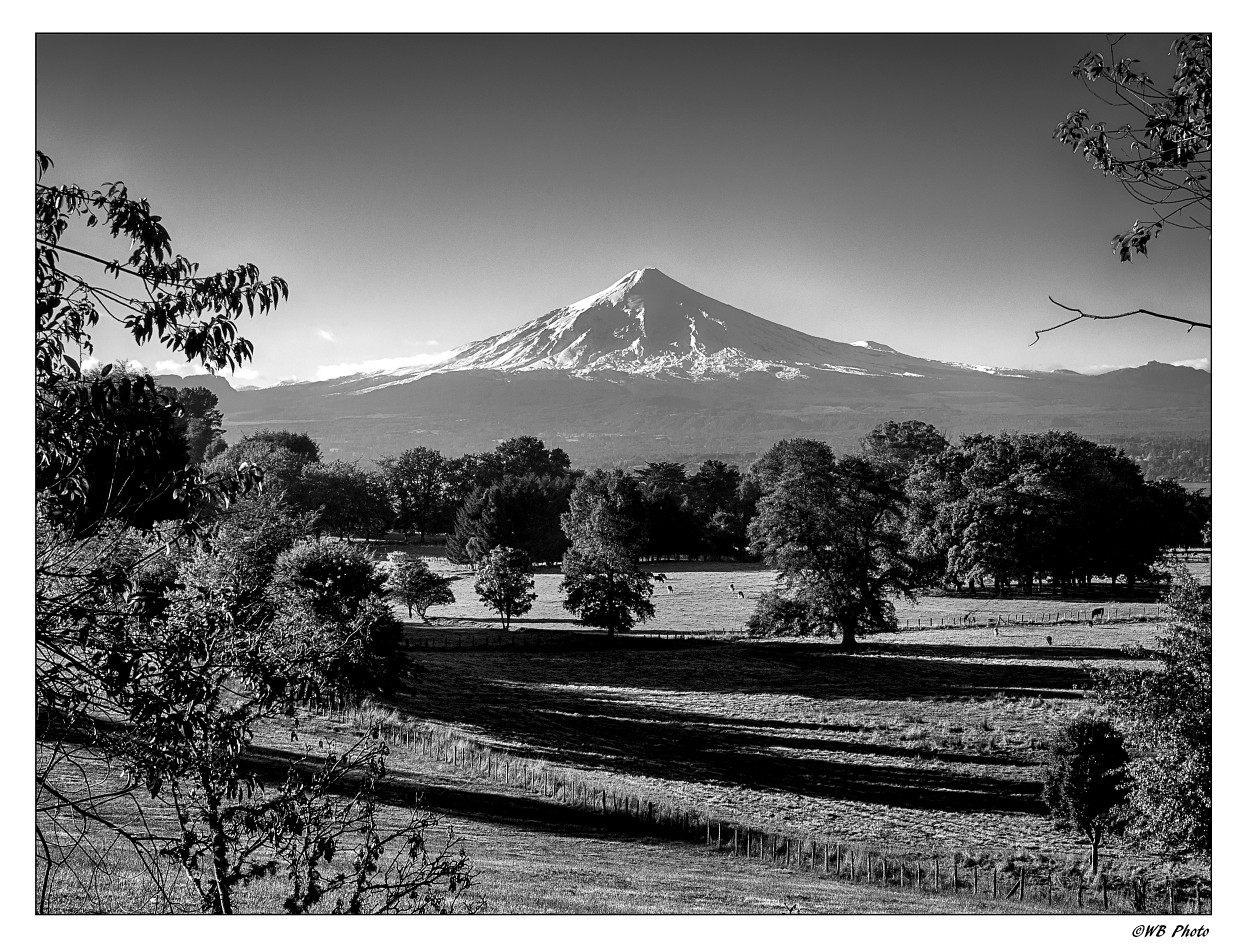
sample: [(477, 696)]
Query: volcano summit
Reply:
[(648, 324), (650, 368)]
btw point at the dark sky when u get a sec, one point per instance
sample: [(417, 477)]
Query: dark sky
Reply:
[(421, 192)]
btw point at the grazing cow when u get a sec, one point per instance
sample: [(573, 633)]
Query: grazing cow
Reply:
[(670, 588), (741, 595), (1096, 615), (659, 577), (731, 585), (1049, 641)]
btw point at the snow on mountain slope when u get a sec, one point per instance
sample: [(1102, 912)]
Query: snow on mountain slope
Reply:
[(647, 324)]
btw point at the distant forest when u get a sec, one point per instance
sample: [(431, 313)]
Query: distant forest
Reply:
[(1172, 456)]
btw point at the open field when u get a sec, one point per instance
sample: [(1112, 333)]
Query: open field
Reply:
[(918, 743), (701, 601), (929, 742)]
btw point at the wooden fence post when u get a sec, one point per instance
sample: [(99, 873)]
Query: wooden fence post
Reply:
[(996, 882), (1023, 871)]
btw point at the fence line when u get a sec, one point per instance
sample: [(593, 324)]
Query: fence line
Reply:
[(1112, 614), (963, 876)]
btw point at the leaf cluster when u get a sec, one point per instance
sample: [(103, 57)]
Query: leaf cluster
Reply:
[(1162, 153)]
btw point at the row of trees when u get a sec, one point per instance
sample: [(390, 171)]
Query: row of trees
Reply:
[(1054, 507)]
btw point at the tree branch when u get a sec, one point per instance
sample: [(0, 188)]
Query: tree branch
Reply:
[(1081, 314)]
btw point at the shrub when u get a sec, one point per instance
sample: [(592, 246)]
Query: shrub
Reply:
[(329, 601), (333, 576), (779, 614)]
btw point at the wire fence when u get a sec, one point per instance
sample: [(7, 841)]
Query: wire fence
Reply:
[(1092, 616)]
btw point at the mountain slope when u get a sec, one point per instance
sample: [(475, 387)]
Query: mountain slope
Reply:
[(648, 324)]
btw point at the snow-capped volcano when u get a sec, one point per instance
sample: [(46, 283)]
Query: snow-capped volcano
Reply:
[(648, 324)]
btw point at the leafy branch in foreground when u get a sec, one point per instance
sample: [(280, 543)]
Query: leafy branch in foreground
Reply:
[(1161, 154)]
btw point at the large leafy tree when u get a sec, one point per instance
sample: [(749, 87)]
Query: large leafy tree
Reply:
[(832, 529), (519, 512), (418, 495), (133, 465), (1166, 712), (344, 500), (1158, 149), (900, 444), (670, 523), (603, 584), (153, 657), (202, 426), (715, 499)]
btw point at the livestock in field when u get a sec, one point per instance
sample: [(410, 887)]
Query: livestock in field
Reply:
[(741, 595), (1096, 615)]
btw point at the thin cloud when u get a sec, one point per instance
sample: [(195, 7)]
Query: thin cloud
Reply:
[(326, 335), (173, 367), (1203, 363), (421, 360)]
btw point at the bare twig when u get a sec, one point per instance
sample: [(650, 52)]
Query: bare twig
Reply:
[(1081, 314)]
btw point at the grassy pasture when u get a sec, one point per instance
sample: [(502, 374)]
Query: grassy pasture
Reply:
[(919, 743), (929, 741)]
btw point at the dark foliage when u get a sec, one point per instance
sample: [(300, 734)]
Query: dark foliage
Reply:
[(1085, 780)]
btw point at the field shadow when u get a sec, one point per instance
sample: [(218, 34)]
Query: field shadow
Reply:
[(603, 711)]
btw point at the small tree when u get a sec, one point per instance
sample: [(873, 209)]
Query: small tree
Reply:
[(411, 581), (505, 582), (605, 592), (1084, 785)]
